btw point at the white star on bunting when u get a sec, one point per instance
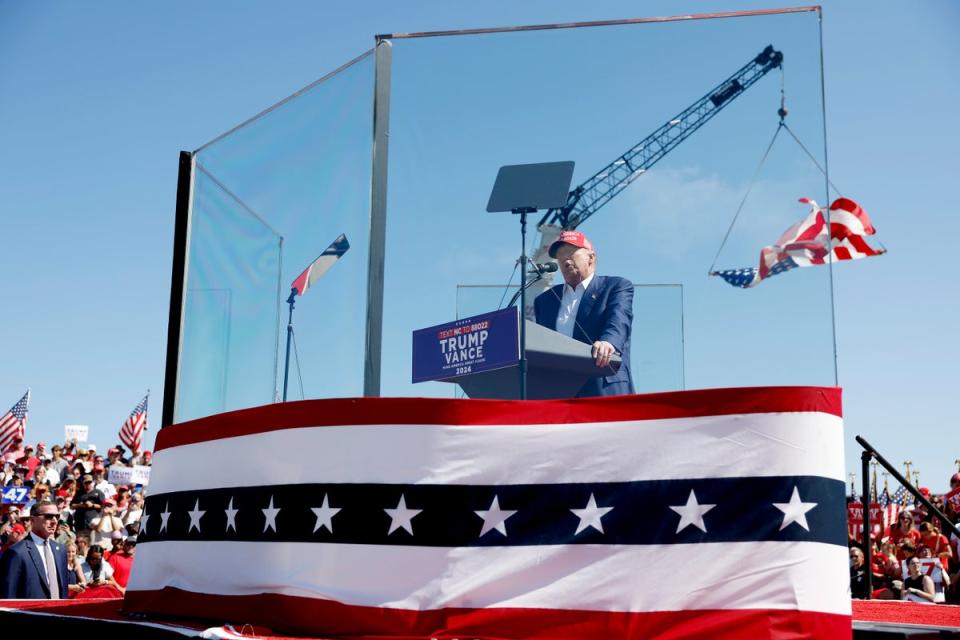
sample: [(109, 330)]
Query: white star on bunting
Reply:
[(494, 518), (400, 518), (692, 513), (231, 516), (164, 517), (795, 511), (270, 517), (143, 521), (590, 515), (324, 515), (195, 516)]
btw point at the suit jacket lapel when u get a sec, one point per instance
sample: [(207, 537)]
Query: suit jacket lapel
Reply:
[(37, 562)]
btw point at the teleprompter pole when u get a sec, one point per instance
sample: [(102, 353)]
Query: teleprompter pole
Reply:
[(523, 299)]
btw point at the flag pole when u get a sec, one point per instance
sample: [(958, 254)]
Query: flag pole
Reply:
[(286, 364)]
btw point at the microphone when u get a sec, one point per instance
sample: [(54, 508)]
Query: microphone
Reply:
[(548, 267)]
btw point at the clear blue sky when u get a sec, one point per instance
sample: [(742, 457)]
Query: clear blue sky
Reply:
[(97, 99)]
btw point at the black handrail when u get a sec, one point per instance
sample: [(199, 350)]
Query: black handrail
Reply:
[(868, 453)]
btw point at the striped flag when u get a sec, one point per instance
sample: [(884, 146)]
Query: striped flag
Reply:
[(806, 243), (715, 513), (884, 498), (131, 433), (895, 506), (14, 422), (321, 265)]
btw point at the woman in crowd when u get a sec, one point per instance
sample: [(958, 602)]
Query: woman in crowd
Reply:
[(904, 531), (936, 542), (76, 582), (916, 586), (96, 572)]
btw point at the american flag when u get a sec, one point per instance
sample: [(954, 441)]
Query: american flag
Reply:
[(131, 433), (711, 513), (884, 498), (895, 506), (805, 243), (320, 266), (14, 422)]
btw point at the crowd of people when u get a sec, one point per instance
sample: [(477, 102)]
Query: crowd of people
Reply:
[(68, 507), (913, 558)]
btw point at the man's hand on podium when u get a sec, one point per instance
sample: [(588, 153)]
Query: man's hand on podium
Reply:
[(603, 351)]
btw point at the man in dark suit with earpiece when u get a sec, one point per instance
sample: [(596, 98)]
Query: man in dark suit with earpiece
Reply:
[(597, 310), (36, 567)]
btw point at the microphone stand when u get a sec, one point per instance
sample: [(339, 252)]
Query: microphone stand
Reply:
[(540, 275)]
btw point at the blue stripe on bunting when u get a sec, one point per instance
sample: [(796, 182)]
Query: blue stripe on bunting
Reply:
[(641, 513)]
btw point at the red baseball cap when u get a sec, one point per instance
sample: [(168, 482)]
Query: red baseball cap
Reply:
[(576, 238), (954, 479)]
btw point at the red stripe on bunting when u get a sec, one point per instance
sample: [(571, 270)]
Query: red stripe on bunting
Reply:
[(438, 411), (331, 619)]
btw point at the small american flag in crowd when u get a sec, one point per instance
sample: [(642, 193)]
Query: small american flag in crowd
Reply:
[(895, 506), (131, 433), (806, 243), (884, 498), (14, 422)]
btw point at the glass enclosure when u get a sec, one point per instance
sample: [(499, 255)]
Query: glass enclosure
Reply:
[(271, 194), (268, 198)]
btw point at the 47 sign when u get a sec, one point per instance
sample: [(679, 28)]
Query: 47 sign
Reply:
[(15, 495)]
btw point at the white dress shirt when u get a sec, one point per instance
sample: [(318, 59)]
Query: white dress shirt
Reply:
[(37, 540), (570, 305)]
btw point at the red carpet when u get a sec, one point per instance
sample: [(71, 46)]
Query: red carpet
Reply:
[(899, 612)]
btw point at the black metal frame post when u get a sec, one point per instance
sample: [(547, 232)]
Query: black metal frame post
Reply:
[(523, 211), (178, 276), (867, 546), (286, 364)]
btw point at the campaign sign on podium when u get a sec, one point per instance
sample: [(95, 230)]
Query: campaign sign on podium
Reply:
[(485, 342)]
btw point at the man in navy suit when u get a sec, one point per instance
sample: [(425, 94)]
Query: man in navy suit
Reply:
[(36, 567), (597, 310)]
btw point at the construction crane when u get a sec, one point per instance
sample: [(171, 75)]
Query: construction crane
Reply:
[(587, 198)]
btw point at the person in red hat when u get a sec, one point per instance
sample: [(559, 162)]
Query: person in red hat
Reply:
[(591, 308)]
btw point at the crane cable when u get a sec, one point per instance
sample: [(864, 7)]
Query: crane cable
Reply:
[(782, 112)]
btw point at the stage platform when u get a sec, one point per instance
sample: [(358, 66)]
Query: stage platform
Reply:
[(873, 620)]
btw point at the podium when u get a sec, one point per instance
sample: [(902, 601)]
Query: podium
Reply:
[(557, 367)]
